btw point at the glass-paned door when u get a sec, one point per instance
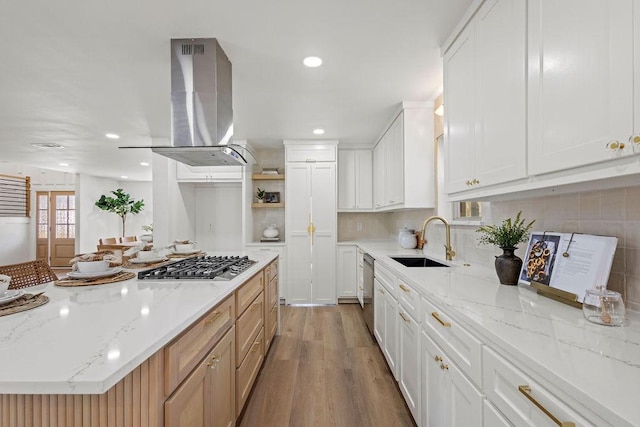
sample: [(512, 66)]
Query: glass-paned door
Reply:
[(63, 227), (42, 225)]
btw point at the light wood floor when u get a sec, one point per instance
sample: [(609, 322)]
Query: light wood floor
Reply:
[(325, 370)]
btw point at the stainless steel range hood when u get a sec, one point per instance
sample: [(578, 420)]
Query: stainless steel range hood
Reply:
[(201, 105)]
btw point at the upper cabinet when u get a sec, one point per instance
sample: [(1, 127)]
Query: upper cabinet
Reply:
[(540, 94), (484, 100), (355, 183), (580, 82), (403, 161), (186, 173)]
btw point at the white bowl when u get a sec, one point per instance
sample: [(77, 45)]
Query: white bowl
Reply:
[(4, 283), (147, 254), (92, 266), (184, 247)]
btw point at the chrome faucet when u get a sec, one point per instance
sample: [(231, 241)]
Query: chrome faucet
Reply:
[(450, 253)]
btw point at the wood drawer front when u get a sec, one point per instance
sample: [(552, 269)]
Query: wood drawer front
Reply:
[(386, 279), (247, 326), (248, 371), (248, 292), (409, 299), (186, 351), (462, 347), (501, 384), (273, 292), (272, 323)]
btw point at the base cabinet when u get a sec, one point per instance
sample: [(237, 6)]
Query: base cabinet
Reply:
[(449, 398), (409, 361), (207, 396), (347, 270)]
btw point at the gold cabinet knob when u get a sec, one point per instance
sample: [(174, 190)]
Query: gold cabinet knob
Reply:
[(615, 145), (444, 366), (437, 358), (475, 181)]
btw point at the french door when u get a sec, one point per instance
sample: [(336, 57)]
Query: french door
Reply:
[(55, 226)]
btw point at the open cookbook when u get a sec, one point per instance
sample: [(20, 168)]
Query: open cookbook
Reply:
[(571, 262)]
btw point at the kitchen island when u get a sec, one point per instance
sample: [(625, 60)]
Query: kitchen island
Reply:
[(493, 332), (89, 341)]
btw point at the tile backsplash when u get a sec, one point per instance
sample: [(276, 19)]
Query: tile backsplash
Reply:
[(608, 212)]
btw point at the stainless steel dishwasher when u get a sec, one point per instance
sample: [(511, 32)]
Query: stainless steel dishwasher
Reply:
[(367, 307)]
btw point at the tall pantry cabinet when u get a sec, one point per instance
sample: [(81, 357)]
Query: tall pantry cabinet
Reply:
[(311, 221)]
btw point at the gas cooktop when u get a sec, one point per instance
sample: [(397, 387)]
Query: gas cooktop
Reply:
[(200, 268)]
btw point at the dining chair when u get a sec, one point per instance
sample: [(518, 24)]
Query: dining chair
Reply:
[(128, 239), (108, 241), (31, 273)]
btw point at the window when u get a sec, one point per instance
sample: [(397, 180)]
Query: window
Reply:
[(15, 194)]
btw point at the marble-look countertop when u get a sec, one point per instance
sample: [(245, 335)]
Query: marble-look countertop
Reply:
[(88, 338), (596, 366)]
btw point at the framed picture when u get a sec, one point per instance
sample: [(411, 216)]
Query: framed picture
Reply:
[(272, 197)]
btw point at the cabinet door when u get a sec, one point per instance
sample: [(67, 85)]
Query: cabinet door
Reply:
[(364, 179), (360, 276), (190, 405), (347, 280), (347, 182), (379, 313), (491, 417), (409, 361), (223, 381), (390, 349), (435, 389), (580, 81), (379, 175), (298, 217), (500, 43), (465, 407), (459, 133), (394, 164)]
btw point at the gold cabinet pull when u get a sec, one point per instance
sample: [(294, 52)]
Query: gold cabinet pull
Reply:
[(526, 390), (214, 361), (444, 366), (436, 316), (404, 317), (255, 345), (215, 314), (404, 288), (437, 358)]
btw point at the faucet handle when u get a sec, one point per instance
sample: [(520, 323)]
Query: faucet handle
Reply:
[(450, 252)]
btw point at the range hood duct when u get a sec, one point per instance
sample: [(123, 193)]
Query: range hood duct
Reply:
[(201, 105)]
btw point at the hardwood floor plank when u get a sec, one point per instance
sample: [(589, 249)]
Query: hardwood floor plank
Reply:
[(325, 370)]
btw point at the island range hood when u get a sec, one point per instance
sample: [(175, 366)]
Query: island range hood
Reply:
[(201, 106)]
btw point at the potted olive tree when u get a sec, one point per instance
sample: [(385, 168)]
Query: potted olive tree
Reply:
[(506, 236), (121, 204)]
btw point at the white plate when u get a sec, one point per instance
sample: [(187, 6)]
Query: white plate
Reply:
[(110, 272), (146, 261), (192, 251), (10, 295)]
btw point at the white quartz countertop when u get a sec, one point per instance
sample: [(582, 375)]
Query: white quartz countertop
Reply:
[(597, 366), (86, 339)]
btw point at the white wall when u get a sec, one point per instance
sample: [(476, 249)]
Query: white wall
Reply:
[(92, 222), (139, 190), (15, 240)]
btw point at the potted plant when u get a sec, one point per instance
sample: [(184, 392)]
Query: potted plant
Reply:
[(260, 195), (148, 233), (506, 236), (121, 204)]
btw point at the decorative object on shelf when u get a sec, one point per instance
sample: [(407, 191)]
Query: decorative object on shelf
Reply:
[(260, 195), (603, 306), (269, 171), (506, 236), (148, 236), (272, 197), (271, 232), (122, 205)]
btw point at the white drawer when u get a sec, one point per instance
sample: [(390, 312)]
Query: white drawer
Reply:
[(491, 417), (462, 347), (311, 153), (514, 393), (409, 299), (386, 278)]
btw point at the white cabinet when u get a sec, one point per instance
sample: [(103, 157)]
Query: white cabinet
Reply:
[(516, 395), (355, 180), (484, 84), (311, 225), (491, 417), (409, 360), (385, 324), (448, 397), (186, 173), (580, 81), (403, 161), (281, 250), (347, 270), (378, 312), (360, 276)]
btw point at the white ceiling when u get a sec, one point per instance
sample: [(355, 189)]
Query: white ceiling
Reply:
[(73, 70)]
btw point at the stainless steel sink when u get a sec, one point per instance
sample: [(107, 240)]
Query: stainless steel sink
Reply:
[(418, 262)]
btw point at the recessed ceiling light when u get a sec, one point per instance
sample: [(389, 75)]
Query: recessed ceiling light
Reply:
[(318, 131), (312, 61), (144, 164), (63, 164), (46, 145), (112, 136), (124, 176)]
